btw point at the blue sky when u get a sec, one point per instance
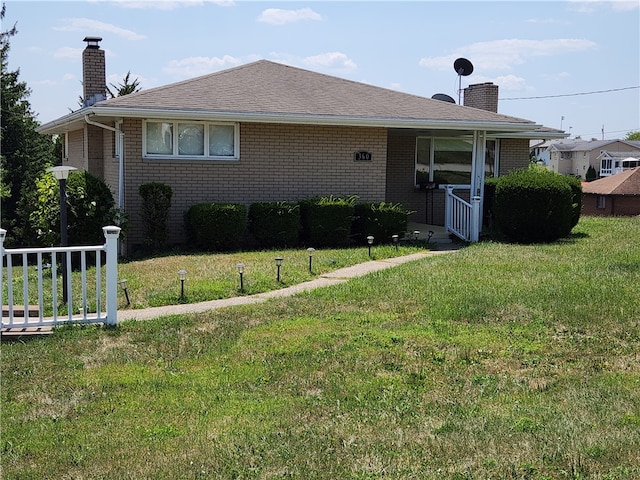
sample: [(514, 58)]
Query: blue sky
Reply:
[(555, 51)]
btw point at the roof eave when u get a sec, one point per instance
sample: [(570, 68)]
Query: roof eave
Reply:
[(72, 121), (68, 122)]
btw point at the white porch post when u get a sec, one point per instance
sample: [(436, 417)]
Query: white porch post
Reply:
[(112, 233), (477, 175), (476, 219)]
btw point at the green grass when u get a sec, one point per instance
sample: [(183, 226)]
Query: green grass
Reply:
[(496, 361), (154, 282)]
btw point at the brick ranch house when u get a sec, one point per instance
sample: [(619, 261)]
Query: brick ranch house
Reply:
[(269, 132)]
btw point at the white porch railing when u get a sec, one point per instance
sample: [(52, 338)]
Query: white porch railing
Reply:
[(34, 298), (461, 217)]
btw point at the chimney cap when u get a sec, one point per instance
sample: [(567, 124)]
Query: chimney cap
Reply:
[(92, 42)]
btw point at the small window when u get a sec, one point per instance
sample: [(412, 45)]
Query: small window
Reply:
[(190, 140), (601, 201)]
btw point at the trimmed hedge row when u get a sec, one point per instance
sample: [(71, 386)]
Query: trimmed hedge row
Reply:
[(321, 222)]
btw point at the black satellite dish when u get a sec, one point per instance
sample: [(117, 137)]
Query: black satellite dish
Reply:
[(443, 98), (463, 67)]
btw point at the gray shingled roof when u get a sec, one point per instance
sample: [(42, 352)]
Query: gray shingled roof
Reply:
[(624, 183), (265, 87)]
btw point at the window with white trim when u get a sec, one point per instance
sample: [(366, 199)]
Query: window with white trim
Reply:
[(187, 140), (448, 160)]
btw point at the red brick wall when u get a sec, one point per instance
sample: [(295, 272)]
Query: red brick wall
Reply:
[(615, 205), (277, 162), (93, 73)]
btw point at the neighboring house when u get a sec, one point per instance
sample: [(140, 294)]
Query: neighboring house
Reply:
[(269, 132), (617, 162), (614, 195), (540, 151), (575, 156)]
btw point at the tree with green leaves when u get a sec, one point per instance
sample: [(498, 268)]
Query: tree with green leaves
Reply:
[(125, 88), (25, 153), (633, 136)]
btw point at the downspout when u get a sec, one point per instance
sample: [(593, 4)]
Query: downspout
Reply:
[(120, 140)]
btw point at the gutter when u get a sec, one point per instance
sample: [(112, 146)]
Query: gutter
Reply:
[(308, 119), (120, 140)]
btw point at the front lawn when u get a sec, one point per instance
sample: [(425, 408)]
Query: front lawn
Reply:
[(496, 361)]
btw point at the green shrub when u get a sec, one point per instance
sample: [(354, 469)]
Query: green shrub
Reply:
[(382, 220), (326, 221), (591, 174), (576, 200), (489, 200), (156, 201), (216, 226), (535, 205), (90, 206), (274, 224)]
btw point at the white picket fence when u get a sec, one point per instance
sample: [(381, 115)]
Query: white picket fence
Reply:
[(90, 308), (462, 218)]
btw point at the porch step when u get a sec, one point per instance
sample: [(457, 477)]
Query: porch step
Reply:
[(18, 311), (15, 332)]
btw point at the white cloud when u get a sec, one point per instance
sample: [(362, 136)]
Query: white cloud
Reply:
[(510, 82), (592, 6), (504, 54), (94, 26), (277, 16), (331, 61), (545, 21), (170, 5), (196, 66), (68, 52)]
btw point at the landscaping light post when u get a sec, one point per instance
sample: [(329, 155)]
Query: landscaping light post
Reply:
[(311, 250), (370, 242), (62, 174), (123, 286), (415, 235), (278, 265), (182, 275), (429, 236), (240, 267), (395, 239)]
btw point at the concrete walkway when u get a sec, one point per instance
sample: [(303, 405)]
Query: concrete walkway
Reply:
[(332, 278)]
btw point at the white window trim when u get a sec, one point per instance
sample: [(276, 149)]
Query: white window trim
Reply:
[(176, 156), (496, 163)]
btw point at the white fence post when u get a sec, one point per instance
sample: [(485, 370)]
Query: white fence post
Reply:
[(475, 219), (3, 234), (112, 233)]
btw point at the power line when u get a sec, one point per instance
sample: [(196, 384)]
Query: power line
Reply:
[(571, 94)]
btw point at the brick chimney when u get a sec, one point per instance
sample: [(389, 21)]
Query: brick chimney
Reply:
[(482, 95), (93, 72)]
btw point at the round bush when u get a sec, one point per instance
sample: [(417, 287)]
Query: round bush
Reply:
[(535, 205), (90, 206)]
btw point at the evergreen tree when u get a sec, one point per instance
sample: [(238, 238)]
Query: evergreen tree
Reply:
[(25, 153), (125, 88)]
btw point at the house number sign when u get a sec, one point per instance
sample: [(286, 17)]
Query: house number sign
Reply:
[(362, 156)]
